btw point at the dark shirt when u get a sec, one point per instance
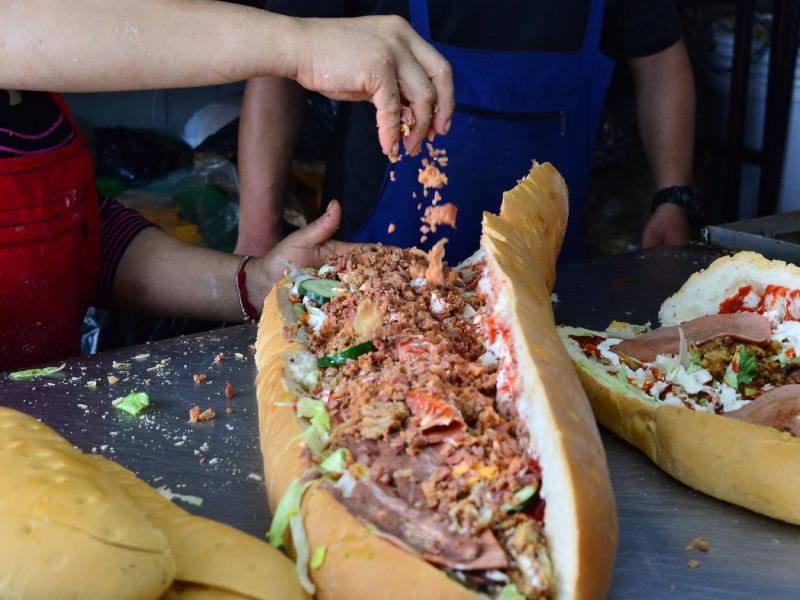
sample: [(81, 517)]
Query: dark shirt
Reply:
[(33, 124), (356, 167), (36, 125)]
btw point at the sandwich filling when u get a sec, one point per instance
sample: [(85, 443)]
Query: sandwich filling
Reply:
[(408, 391), (741, 362)]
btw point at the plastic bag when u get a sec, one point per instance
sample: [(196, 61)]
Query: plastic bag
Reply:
[(199, 205)]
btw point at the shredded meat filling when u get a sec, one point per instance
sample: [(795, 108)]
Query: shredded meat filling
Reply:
[(717, 355), (421, 414)]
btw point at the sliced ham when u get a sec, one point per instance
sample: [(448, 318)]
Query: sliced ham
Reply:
[(438, 420), (778, 408), (745, 327), (420, 531)]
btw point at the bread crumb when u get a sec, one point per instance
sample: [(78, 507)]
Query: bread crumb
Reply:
[(207, 415), (199, 377), (431, 177), (392, 176), (391, 228), (434, 274), (444, 214), (228, 410), (112, 379), (693, 564), (218, 358), (194, 414), (697, 544)]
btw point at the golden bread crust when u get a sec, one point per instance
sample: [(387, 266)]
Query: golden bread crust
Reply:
[(581, 514)]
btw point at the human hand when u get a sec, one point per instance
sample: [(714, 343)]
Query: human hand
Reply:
[(669, 225), (308, 247), (383, 60)]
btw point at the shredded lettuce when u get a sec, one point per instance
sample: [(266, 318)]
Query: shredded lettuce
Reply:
[(33, 373), (300, 542), (317, 434), (318, 558), (626, 331), (742, 368), (695, 360), (336, 462), (784, 361), (510, 592), (316, 439), (134, 403), (314, 411), (287, 507), (683, 349), (187, 498)]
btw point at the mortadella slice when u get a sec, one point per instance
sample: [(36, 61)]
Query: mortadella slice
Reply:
[(745, 327), (438, 420), (778, 408), (421, 531)]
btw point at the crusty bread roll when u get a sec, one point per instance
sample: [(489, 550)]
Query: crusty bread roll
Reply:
[(749, 465), (59, 522), (82, 526), (521, 245), (705, 290)]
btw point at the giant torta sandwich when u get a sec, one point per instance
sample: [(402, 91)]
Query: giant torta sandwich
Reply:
[(713, 396), (80, 526), (424, 433)]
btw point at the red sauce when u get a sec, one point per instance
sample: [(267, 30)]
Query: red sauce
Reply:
[(734, 303), (793, 309), (588, 343), (536, 512), (773, 294)]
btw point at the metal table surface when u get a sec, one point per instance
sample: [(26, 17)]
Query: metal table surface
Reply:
[(749, 557)]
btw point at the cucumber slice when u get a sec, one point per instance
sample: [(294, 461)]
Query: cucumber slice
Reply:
[(523, 499), (339, 358), (320, 290)]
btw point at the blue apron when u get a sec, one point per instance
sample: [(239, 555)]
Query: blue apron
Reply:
[(511, 108)]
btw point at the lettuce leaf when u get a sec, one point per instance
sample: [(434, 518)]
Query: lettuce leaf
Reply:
[(287, 507), (318, 558), (33, 373), (510, 592), (336, 462), (134, 403), (742, 368)]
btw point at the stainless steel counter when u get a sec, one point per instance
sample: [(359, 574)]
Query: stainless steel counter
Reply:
[(749, 557)]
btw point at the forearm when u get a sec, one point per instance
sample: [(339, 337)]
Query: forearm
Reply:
[(106, 45), (665, 99), (159, 274), (271, 120)]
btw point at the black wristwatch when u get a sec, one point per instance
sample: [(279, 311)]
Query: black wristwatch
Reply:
[(689, 197)]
